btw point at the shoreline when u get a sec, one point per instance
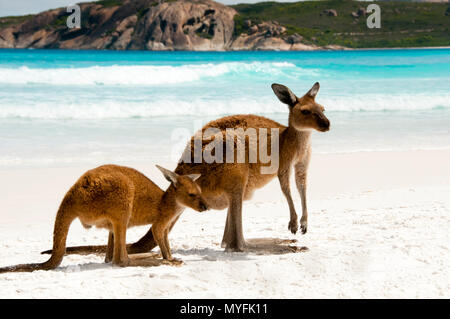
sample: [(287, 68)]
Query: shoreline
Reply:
[(329, 175), (321, 49), (140, 163)]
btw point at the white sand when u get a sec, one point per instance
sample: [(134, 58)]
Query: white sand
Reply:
[(379, 227)]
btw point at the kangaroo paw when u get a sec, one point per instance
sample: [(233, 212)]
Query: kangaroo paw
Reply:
[(304, 226), (236, 247), (293, 226), (176, 262), (122, 263)]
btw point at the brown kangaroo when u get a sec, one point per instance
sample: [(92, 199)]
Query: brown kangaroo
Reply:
[(116, 198), (227, 185)]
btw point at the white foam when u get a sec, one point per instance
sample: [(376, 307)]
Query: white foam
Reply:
[(382, 102), (121, 108), (136, 74)]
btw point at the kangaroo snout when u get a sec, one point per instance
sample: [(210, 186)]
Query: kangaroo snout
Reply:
[(324, 125), (323, 122), (203, 206)]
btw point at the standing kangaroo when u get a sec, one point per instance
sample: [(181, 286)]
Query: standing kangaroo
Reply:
[(227, 185), (116, 198)]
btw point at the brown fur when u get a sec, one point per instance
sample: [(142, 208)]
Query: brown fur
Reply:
[(227, 185), (117, 198)]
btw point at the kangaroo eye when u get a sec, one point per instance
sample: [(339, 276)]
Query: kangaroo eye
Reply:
[(306, 112), (191, 195)]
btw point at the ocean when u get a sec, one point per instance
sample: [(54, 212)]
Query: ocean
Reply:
[(61, 108)]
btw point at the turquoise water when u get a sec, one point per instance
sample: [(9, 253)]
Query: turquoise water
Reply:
[(71, 107)]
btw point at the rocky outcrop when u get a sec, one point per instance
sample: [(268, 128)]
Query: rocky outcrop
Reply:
[(261, 36), (294, 38), (147, 25), (131, 24), (331, 12), (186, 25), (361, 13)]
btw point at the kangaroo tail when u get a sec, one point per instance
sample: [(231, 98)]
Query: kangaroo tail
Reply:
[(64, 218), (143, 245), (21, 268), (81, 250)]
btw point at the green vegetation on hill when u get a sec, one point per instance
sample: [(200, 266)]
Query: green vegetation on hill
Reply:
[(320, 22), (403, 24), (110, 3), (13, 20)]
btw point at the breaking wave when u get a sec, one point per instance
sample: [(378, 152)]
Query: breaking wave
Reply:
[(140, 74), (194, 107)]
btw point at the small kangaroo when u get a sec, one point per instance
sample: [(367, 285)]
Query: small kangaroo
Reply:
[(227, 185), (117, 198)]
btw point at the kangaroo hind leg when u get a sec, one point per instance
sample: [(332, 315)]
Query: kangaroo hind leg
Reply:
[(120, 255), (110, 248), (234, 236)]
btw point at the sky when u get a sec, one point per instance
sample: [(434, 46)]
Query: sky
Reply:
[(21, 7)]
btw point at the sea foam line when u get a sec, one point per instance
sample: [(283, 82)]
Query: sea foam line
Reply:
[(137, 75), (123, 108)]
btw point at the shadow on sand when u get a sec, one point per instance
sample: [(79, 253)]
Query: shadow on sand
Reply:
[(273, 246), (255, 246)]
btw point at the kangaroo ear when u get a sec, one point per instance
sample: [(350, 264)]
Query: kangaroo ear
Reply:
[(284, 94), (194, 177), (169, 175), (314, 90)]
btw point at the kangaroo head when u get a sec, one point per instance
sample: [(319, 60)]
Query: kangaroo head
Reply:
[(304, 112), (187, 191)]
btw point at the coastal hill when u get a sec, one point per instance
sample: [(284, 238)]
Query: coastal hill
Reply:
[(207, 25)]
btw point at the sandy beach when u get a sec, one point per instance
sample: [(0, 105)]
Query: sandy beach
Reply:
[(135, 80), (378, 228)]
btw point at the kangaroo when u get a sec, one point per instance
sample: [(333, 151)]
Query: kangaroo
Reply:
[(227, 185), (117, 198)]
